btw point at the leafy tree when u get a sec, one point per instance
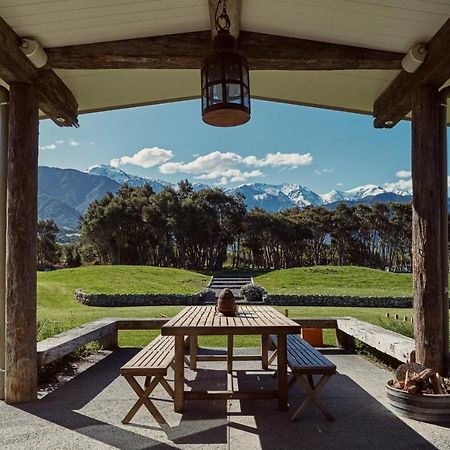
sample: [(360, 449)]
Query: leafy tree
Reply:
[(47, 248)]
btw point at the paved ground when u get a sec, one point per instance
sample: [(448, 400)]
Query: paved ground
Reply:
[(86, 413)]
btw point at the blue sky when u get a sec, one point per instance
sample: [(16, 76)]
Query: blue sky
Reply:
[(282, 143)]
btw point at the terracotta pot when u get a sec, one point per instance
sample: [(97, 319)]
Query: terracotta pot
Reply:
[(226, 303)]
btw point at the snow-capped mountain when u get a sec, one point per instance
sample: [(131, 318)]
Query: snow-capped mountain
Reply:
[(368, 191), (65, 194), (264, 196), (271, 197), (333, 196), (301, 195), (121, 177)]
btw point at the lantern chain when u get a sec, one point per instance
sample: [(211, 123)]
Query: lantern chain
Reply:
[(222, 21)]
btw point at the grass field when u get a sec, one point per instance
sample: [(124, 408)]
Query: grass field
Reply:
[(56, 294), (56, 289), (332, 280)]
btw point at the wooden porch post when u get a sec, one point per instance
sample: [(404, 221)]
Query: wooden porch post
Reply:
[(426, 232), (21, 354), (4, 118)]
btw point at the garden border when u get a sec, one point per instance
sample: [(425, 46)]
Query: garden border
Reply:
[(124, 300)]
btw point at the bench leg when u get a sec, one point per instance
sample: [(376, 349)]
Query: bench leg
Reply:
[(313, 393), (143, 398), (272, 357), (167, 387)]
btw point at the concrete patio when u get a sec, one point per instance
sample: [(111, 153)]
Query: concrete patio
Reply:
[(86, 412)]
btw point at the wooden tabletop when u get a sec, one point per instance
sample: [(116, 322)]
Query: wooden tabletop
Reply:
[(203, 320)]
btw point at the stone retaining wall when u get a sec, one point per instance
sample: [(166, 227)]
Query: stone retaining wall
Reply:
[(338, 300), (111, 300)]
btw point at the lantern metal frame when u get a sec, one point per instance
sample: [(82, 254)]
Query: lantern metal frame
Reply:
[(225, 68)]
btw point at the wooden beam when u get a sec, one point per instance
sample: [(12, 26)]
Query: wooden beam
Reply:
[(21, 354), (396, 101), (234, 12), (55, 98), (426, 244), (187, 50)]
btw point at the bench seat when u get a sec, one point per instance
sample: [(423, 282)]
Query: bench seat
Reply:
[(152, 362), (305, 361), (153, 359)]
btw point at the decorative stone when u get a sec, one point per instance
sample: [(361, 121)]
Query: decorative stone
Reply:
[(226, 303)]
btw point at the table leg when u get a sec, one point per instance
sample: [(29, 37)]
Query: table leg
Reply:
[(282, 372), (193, 347), (265, 351), (230, 354), (179, 374)]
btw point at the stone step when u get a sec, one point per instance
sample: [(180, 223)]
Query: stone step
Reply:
[(233, 280)]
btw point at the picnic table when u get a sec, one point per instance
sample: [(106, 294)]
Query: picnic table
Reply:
[(194, 321)]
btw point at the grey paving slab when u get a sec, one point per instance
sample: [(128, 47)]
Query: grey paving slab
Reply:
[(86, 413)]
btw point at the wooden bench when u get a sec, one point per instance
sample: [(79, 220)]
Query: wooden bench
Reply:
[(386, 341), (62, 344), (152, 363), (305, 361)]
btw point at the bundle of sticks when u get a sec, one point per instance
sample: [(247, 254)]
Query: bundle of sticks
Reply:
[(417, 379)]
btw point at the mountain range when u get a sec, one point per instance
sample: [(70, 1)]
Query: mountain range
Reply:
[(64, 194)]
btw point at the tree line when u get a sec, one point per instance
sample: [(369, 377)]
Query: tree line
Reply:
[(207, 229)]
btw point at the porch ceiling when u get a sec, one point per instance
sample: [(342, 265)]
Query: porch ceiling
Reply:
[(393, 25)]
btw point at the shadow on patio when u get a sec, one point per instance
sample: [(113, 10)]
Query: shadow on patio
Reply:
[(87, 412)]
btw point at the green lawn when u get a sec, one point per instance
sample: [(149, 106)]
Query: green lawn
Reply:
[(333, 280), (56, 289), (56, 294)]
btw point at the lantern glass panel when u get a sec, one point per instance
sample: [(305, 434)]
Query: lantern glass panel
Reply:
[(246, 97), (245, 75), (233, 71), (214, 72), (204, 101), (233, 93), (215, 94), (203, 79)]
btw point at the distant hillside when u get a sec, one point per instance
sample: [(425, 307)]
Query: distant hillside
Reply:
[(64, 194)]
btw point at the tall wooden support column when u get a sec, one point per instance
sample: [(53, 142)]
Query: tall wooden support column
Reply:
[(426, 232), (21, 353), (4, 118)]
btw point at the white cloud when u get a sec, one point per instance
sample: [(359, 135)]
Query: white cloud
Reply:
[(61, 141), (214, 161), (231, 175), (146, 158), (279, 159), (227, 166), (47, 147), (339, 184), (321, 171), (73, 142), (403, 174)]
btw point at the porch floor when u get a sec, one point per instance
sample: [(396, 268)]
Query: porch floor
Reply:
[(86, 412)]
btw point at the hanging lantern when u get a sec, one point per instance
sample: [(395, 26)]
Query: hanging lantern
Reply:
[(225, 79)]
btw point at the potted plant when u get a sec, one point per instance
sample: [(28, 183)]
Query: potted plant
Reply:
[(252, 292)]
